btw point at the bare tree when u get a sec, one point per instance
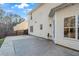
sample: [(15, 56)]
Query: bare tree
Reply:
[(9, 20)]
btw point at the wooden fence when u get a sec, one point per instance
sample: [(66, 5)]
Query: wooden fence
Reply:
[(13, 33)]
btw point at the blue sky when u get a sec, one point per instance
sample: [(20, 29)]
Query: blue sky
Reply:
[(19, 8)]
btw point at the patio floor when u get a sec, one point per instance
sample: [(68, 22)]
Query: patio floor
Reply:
[(33, 46)]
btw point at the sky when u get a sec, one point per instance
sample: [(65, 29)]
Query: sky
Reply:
[(21, 9)]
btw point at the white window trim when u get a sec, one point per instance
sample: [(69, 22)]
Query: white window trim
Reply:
[(76, 29), (76, 26)]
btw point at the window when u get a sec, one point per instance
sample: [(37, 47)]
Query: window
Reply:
[(41, 26), (31, 28), (69, 27), (78, 27), (31, 16), (78, 32)]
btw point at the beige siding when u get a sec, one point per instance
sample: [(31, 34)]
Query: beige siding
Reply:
[(59, 19), (41, 17)]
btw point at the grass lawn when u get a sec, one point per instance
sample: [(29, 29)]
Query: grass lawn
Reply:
[(1, 41)]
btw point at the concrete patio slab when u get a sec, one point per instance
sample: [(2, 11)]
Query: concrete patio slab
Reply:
[(33, 46)]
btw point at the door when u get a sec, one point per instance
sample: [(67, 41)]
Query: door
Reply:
[(53, 29)]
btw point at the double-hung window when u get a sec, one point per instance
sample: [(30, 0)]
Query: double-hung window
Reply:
[(69, 27)]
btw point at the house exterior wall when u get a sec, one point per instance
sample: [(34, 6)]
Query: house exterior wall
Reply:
[(59, 27), (22, 26), (41, 16)]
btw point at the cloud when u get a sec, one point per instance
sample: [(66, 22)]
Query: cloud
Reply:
[(10, 11), (12, 7), (2, 3), (28, 10), (22, 5)]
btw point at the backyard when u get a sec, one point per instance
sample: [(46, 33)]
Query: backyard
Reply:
[(26, 45), (8, 20)]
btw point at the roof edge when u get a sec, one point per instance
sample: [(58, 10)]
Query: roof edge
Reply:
[(41, 4), (53, 10)]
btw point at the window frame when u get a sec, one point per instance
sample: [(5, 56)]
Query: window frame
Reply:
[(31, 28), (77, 19), (75, 28)]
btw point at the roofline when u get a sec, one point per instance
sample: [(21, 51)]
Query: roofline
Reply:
[(41, 4), (53, 10), (63, 6)]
